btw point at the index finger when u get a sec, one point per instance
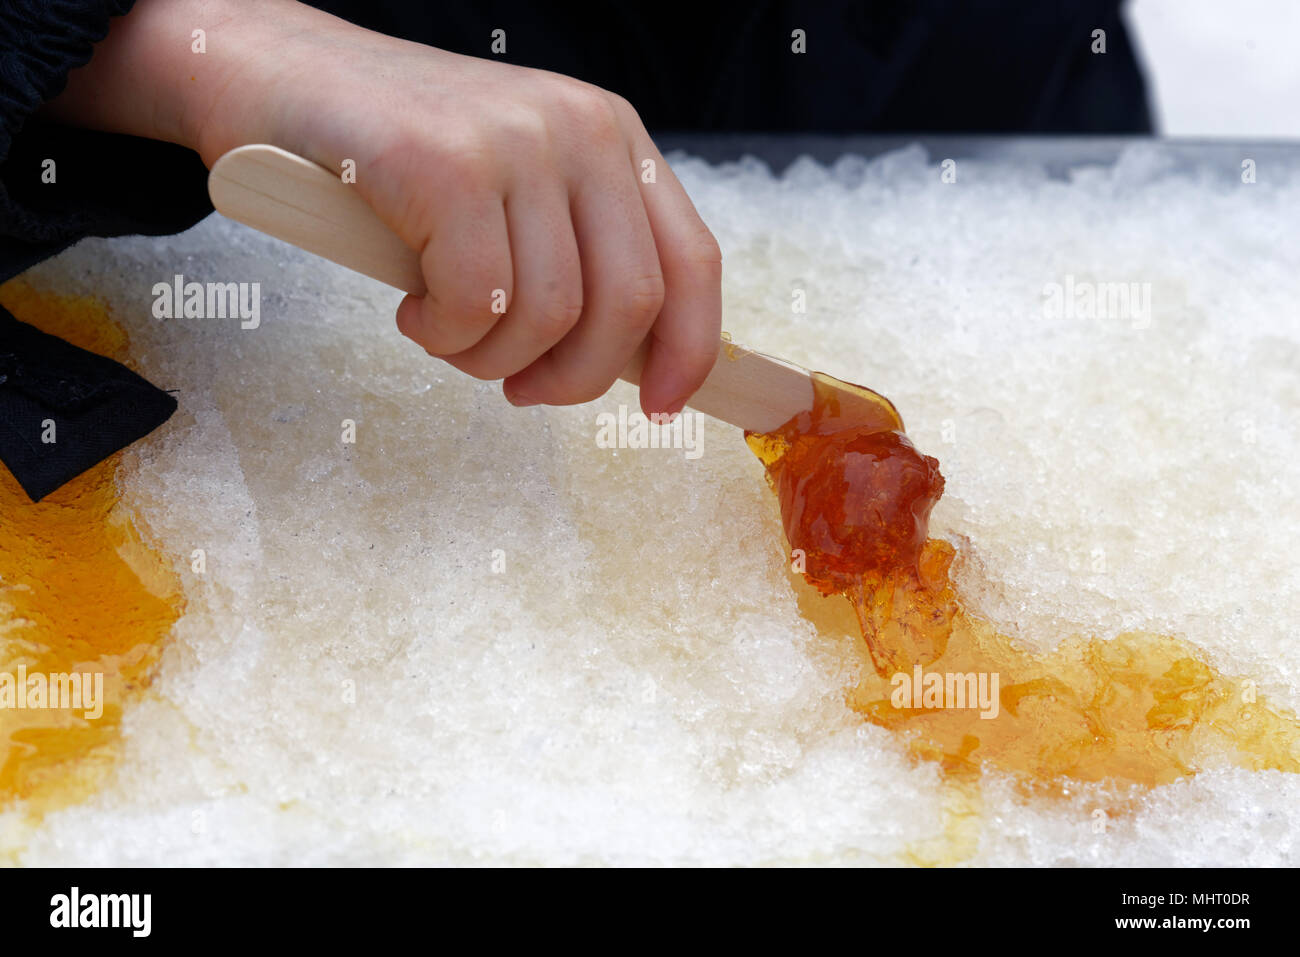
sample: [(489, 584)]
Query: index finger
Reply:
[(683, 343)]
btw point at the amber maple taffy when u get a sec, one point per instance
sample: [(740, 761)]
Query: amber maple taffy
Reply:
[(1137, 710), (80, 591)]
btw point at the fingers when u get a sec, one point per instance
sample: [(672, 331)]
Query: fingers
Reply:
[(622, 293), (467, 269), (592, 262), (547, 300), (685, 338)]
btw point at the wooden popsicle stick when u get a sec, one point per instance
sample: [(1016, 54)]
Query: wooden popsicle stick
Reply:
[(296, 200)]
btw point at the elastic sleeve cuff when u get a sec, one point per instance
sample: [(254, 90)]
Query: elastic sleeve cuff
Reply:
[(104, 184)]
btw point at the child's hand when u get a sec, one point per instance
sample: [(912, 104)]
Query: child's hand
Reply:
[(504, 178)]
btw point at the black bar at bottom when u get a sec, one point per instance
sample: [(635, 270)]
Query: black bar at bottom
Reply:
[(935, 909)]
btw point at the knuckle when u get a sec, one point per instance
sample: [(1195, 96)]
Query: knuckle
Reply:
[(456, 321), (555, 318), (589, 111), (579, 100), (622, 107), (638, 302), (477, 280), (706, 251), (467, 307), (463, 165), (700, 253), (524, 129)]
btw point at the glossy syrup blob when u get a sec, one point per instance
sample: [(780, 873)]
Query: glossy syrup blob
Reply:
[(80, 592), (1138, 709)]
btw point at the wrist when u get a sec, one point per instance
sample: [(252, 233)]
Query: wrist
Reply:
[(156, 76), (289, 76), (139, 80), (240, 90)]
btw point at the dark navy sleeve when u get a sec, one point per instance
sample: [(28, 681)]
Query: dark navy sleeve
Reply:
[(104, 184)]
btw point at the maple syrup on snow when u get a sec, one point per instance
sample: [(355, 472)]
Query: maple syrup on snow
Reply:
[(80, 593), (1140, 708)]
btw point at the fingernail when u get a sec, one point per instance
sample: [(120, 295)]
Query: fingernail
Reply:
[(668, 414), (675, 407), (519, 401)]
